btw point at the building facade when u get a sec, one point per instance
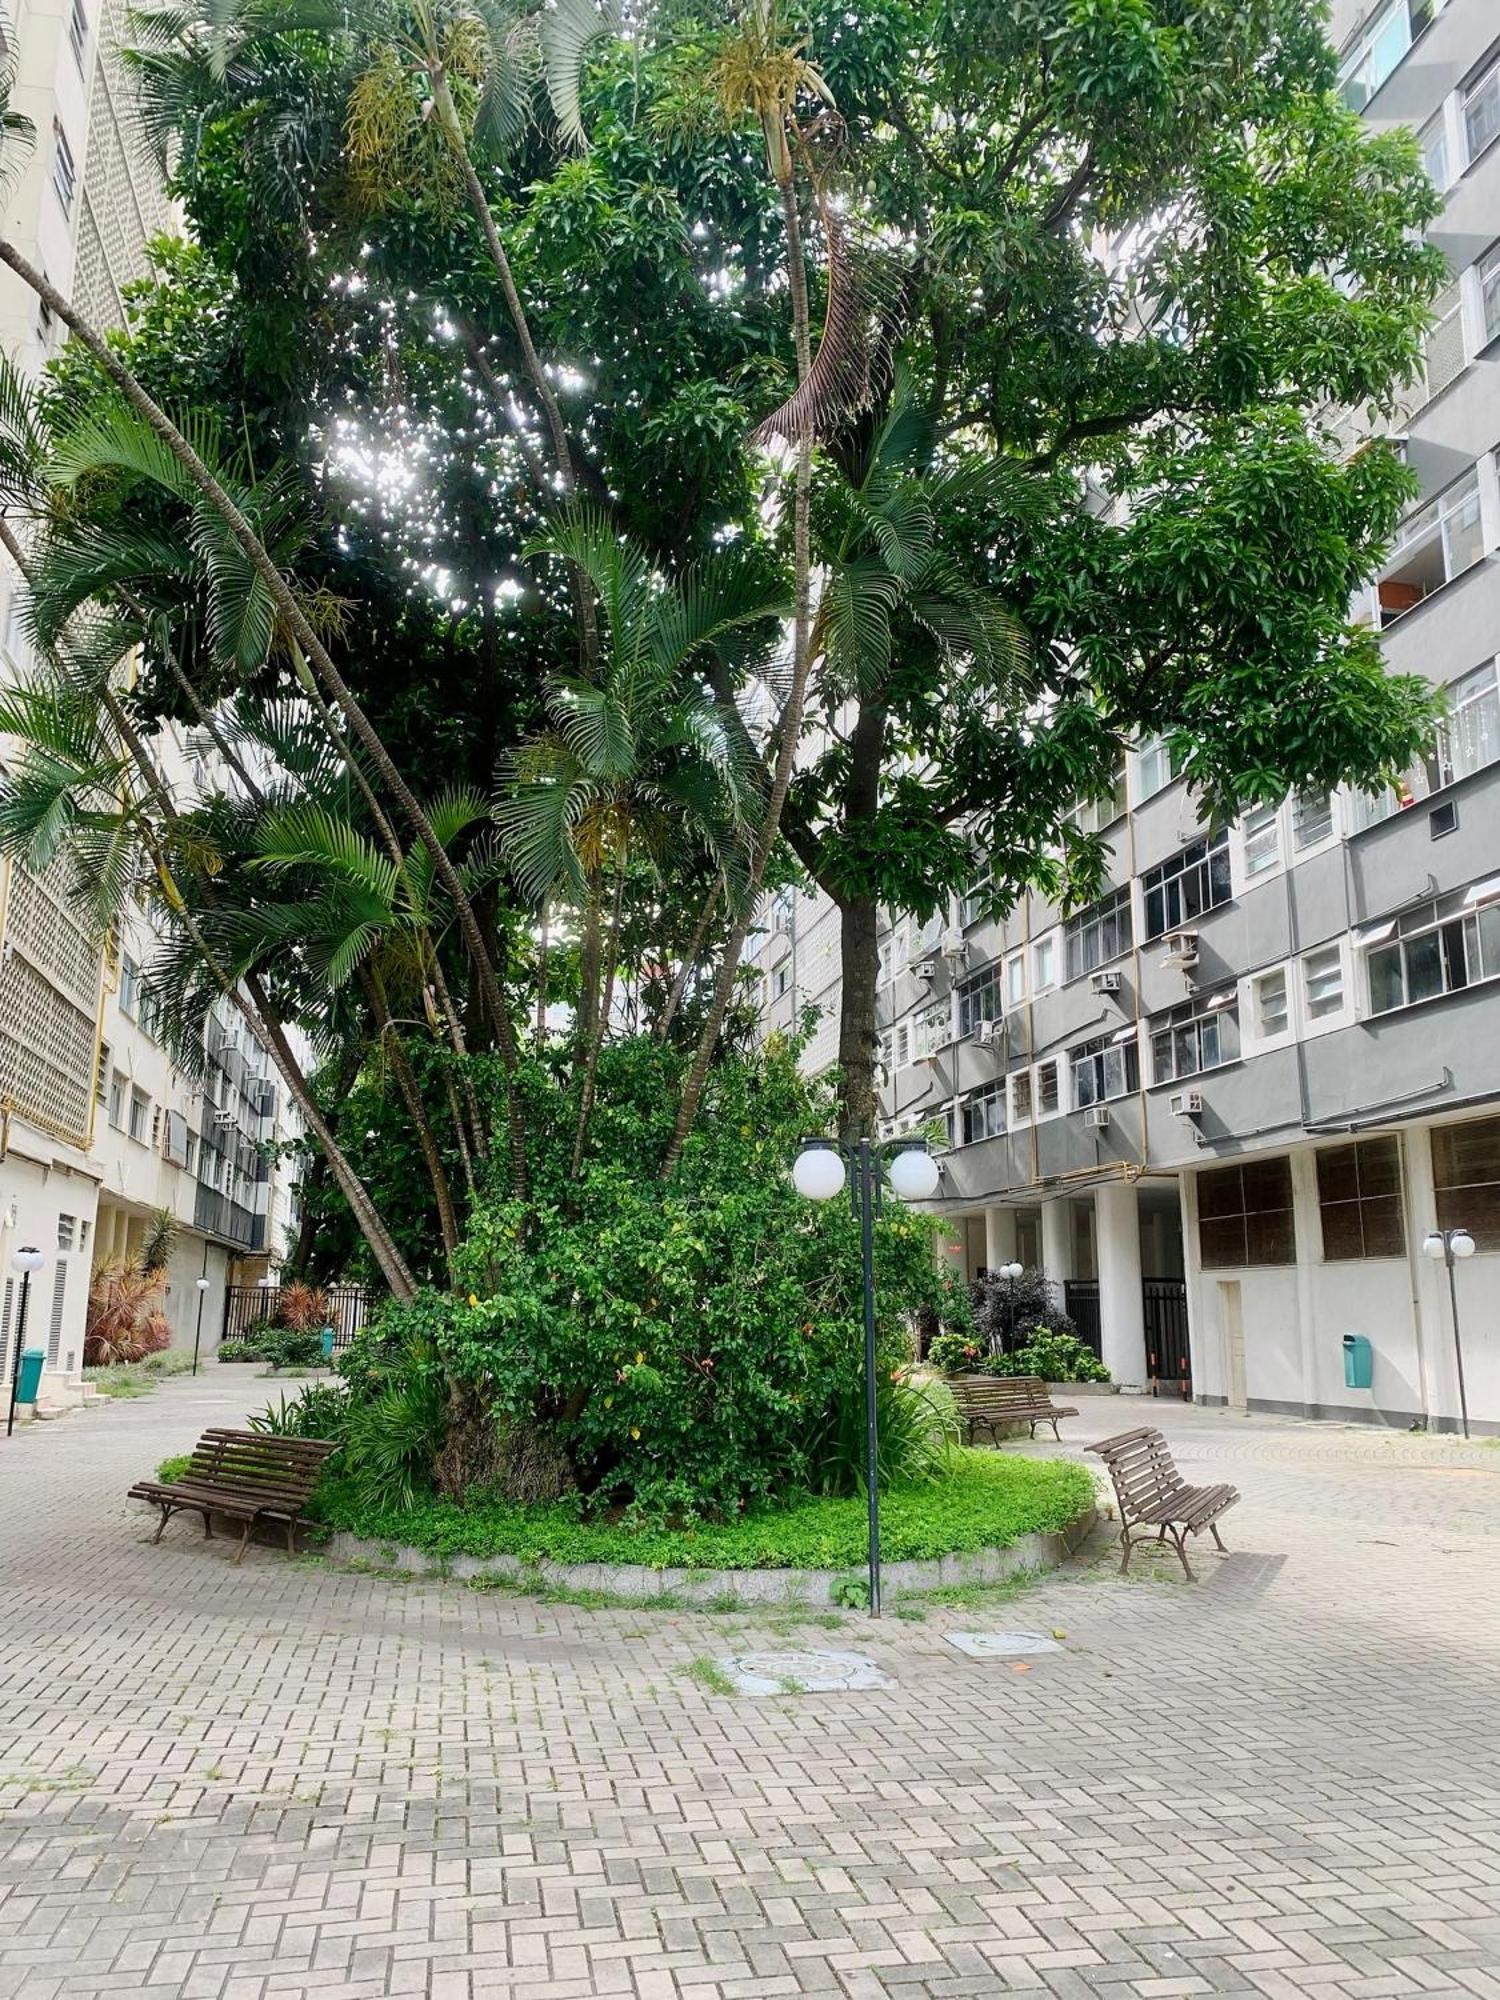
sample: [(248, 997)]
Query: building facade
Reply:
[(1224, 1106), (99, 1129)]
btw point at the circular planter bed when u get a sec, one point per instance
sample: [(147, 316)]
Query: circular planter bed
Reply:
[(992, 1517)]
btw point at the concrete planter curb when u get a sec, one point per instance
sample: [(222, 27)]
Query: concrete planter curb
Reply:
[(1060, 1392), (750, 1586)]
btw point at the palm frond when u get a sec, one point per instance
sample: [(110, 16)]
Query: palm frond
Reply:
[(567, 29)]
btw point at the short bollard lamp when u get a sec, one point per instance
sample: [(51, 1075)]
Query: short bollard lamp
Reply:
[(1451, 1247), (911, 1173), (26, 1260)]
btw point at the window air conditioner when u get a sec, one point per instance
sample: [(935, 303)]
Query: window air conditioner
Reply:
[(989, 1033), (1097, 1116), (1182, 947), (1186, 1103), (955, 947), (1104, 982), (224, 1117)]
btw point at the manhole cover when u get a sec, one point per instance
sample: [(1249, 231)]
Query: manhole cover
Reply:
[(1002, 1645), (802, 1673)]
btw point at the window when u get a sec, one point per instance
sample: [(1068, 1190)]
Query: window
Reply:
[(1444, 355), (1323, 982), (1048, 1087), (1435, 544), (1044, 962), (1096, 934), (1468, 737), (190, 1153), (1015, 979), (1193, 881), (1482, 112), (1155, 768), (140, 1114), (67, 1226), (1245, 1214), (101, 1081), (781, 978), (978, 900), (984, 1114), (83, 1234), (130, 987), (1020, 1097), (1104, 1069), (78, 31), (932, 1030), (1270, 1004), (1437, 948), (887, 970), (117, 1101), (1201, 1034), (979, 1000), (1312, 818), (64, 171), (1093, 814), (1489, 293), (1466, 1176), (1359, 1200), (1262, 839), (903, 1045), (1380, 45), (1437, 155)]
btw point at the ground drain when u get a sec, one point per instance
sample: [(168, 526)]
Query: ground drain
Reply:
[(805, 1672), (1002, 1645)]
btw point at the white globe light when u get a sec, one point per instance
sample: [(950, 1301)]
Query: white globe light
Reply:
[(28, 1258), (1432, 1245), (818, 1173), (1010, 1270), (203, 1283), (1463, 1243), (914, 1174)]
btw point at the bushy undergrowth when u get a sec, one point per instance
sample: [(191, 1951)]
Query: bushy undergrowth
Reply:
[(987, 1501), (1055, 1357)]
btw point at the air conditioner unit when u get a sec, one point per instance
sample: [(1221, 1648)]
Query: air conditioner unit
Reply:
[(955, 947), (1104, 982), (989, 1033), (224, 1117), (1181, 947), (1097, 1116), (924, 969), (1186, 1103)]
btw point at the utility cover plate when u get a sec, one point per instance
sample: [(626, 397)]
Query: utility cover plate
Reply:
[(806, 1672), (1002, 1645)]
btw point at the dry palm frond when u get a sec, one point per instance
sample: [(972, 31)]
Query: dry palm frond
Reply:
[(866, 301), (125, 1321)]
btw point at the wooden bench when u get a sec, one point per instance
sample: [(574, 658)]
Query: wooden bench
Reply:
[(996, 1402), (1152, 1493), (244, 1476)]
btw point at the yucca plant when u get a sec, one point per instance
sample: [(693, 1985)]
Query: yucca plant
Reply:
[(124, 1321)]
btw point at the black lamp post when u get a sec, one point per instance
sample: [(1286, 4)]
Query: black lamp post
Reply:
[(26, 1260), (912, 1174), (1452, 1246), (1010, 1272), (202, 1284)]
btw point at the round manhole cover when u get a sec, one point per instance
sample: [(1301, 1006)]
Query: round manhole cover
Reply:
[(805, 1672)]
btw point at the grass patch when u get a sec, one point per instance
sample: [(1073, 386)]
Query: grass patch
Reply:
[(172, 1469), (710, 1676), (989, 1501), (138, 1378)]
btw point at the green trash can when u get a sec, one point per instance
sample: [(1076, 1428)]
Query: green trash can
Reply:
[(30, 1381), (327, 1339), (1359, 1361)]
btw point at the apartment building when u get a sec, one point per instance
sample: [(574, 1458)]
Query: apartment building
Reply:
[(99, 1130), (1224, 1107)]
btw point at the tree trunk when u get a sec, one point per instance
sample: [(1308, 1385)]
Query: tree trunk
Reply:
[(690, 958), (601, 1024), (341, 695), (411, 1093), (791, 719), (859, 937)]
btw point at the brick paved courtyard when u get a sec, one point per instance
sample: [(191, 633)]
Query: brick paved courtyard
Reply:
[(285, 1779)]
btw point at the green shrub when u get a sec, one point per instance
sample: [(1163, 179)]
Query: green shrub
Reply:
[(292, 1347), (1056, 1357), (241, 1350), (988, 1501), (321, 1410), (917, 1429), (1008, 1310), (956, 1353), (172, 1469)]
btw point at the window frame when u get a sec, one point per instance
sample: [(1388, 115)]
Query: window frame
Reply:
[(1090, 1064), (1262, 1168), (1426, 526), (1477, 926), (985, 1101), (1315, 1022), (1458, 1199), (1106, 921), (1361, 1154), (984, 987), (64, 173), (1488, 77), (1193, 1019), (139, 1115), (1212, 867)]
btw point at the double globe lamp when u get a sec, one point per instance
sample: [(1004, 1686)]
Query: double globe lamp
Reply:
[(1452, 1247)]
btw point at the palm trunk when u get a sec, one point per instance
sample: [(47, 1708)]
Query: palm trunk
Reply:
[(295, 618), (596, 1040), (541, 976), (690, 958), (859, 938), (411, 1093), (791, 718)]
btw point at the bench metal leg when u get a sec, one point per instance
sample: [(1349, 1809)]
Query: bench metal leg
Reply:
[(1056, 1433), (1213, 1529), (1125, 1546), (166, 1515), (244, 1543), (208, 1527), (1179, 1537)]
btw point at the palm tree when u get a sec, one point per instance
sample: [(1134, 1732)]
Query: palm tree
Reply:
[(644, 755)]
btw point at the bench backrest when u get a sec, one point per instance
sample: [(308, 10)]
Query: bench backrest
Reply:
[(1141, 1467), (998, 1395), (252, 1465)]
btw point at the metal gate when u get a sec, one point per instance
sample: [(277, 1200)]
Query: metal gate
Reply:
[(1168, 1357), (1081, 1302), (249, 1306)]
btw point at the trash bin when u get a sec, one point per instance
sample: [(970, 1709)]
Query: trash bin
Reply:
[(31, 1374), (327, 1339), (1359, 1361)]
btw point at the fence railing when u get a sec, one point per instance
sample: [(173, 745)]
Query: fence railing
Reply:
[(249, 1306), (1081, 1303)]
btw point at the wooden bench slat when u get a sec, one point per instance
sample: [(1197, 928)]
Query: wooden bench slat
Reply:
[(1152, 1493)]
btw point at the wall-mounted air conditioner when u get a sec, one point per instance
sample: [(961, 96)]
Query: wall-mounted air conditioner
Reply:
[(955, 947), (1181, 947), (989, 1033), (224, 1117), (1186, 1103), (1097, 1116), (1105, 982)]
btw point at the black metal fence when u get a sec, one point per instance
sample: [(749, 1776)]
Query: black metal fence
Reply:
[(249, 1306), (1169, 1361), (1081, 1303)]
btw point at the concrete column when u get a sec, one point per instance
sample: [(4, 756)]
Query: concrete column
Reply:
[(999, 1237), (1057, 1240), (1122, 1313)]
